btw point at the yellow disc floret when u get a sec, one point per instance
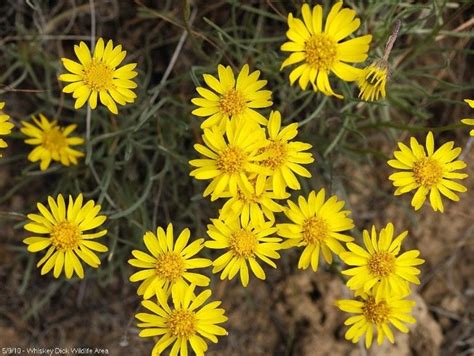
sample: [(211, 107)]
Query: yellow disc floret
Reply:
[(54, 139), (170, 266), (65, 236), (427, 172), (320, 52), (232, 103), (277, 154), (381, 264), (315, 230), (243, 243), (182, 323), (232, 160), (98, 75), (374, 312)]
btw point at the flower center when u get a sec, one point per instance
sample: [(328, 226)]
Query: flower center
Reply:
[(377, 313), (381, 264), (98, 76), (232, 103), (243, 243), (232, 160), (54, 139), (65, 236), (427, 172), (170, 266), (278, 154), (182, 323), (321, 52), (315, 230)]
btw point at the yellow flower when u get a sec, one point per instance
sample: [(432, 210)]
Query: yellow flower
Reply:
[(284, 158), (468, 121), (376, 315), (52, 142), (317, 225), (378, 268), (168, 265), (97, 76), (229, 160), (255, 205), (372, 81), (233, 98), (245, 243), (189, 320), (65, 227), (322, 51), (431, 172), (5, 126)]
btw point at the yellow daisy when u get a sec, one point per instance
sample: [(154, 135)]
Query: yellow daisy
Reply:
[(65, 227), (428, 172), (168, 265), (5, 126), (188, 320), (284, 158), (52, 142), (230, 157), (322, 51), (372, 81), (377, 267), (245, 243), (317, 224), (255, 205), (97, 76), (376, 315), (468, 121), (232, 98)]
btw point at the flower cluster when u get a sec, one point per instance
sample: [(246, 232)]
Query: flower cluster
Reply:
[(166, 272), (95, 77), (63, 228), (320, 48), (252, 163), (380, 278), (252, 166), (318, 51)]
